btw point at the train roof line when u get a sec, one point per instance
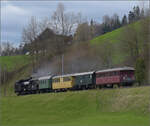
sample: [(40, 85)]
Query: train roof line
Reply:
[(85, 73), (115, 69), (75, 74), (44, 77)]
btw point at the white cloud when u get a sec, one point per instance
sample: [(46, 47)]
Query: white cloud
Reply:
[(8, 8)]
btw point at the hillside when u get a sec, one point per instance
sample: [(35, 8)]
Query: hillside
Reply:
[(117, 107), (114, 38), (18, 66), (14, 62)]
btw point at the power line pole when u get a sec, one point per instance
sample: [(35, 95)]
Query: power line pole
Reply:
[(62, 64), (149, 46)]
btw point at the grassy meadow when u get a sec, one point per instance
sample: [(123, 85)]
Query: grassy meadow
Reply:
[(117, 107), (115, 39), (18, 66), (14, 62)]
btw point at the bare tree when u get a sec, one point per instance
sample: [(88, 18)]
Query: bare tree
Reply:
[(83, 33), (105, 53), (64, 22), (31, 31), (7, 49), (130, 42), (44, 24), (145, 39), (29, 35)]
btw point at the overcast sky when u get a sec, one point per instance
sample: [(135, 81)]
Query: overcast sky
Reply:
[(16, 14)]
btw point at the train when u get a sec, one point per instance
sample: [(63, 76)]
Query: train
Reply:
[(108, 78)]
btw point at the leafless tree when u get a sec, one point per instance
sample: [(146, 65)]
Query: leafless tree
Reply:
[(31, 31), (131, 42), (7, 49), (105, 53), (63, 22), (83, 33), (145, 39), (29, 35), (44, 24), (107, 20)]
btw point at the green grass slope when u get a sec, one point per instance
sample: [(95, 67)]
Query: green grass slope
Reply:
[(117, 107), (114, 35), (14, 62), (19, 68), (115, 39)]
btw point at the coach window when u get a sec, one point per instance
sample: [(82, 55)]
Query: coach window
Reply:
[(116, 73), (56, 80), (106, 74), (103, 75), (86, 76), (110, 74), (99, 75), (66, 79), (90, 76)]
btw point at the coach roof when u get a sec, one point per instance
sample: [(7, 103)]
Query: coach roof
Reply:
[(116, 69), (44, 77), (73, 75)]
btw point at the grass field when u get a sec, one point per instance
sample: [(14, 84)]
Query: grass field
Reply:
[(117, 107), (115, 38), (14, 62)]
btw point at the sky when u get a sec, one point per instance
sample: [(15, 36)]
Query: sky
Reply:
[(16, 14)]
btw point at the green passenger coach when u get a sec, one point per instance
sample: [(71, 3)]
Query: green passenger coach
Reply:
[(84, 80), (45, 84)]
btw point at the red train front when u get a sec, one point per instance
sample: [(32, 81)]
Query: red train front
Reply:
[(115, 77)]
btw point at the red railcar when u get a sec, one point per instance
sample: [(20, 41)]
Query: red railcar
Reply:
[(116, 76)]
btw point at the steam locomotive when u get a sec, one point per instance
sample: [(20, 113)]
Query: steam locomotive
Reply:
[(115, 77)]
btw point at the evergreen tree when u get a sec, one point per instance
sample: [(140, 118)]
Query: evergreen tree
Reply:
[(131, 16), (140, 70), (115, 22), (124, 20), (91, 22), (137, 13), (142, 13)]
